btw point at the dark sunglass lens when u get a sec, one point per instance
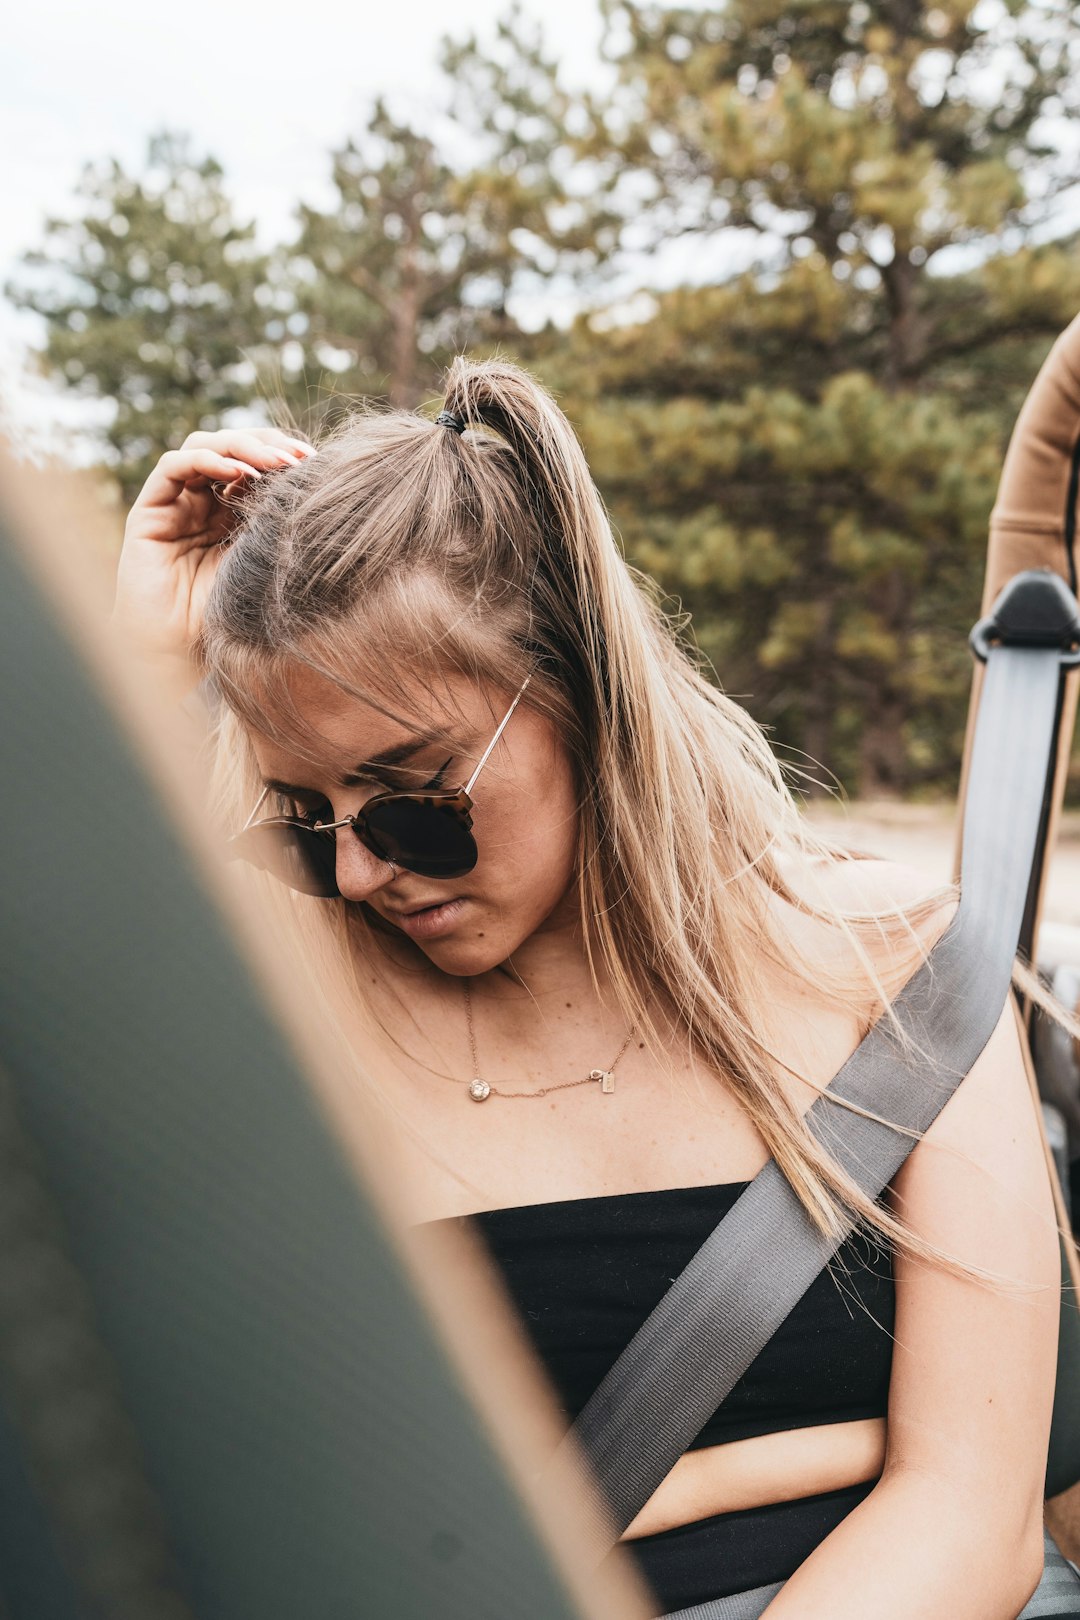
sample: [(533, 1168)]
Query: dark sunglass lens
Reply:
[(429, 839), (301, 859)]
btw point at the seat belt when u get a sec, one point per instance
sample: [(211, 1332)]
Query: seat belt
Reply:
[(716, 1317)]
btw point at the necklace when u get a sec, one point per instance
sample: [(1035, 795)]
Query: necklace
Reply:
[(480, 1090)]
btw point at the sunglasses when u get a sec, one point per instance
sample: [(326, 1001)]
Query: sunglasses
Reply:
[(422, 832)]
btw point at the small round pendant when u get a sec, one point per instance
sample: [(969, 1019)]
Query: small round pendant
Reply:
[(479, 1089)]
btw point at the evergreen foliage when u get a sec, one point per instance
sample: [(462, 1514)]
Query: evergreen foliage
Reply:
[(156, 299), (381, 276), (807, 454), (804, 454), (417, 259)]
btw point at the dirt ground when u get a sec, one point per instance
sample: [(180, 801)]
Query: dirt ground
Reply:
[(924, 835)]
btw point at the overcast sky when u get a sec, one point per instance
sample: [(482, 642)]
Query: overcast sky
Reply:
[(267, 88)]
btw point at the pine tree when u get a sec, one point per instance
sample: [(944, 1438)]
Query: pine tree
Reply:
[(419, 257), (807, 453), (155, 299)]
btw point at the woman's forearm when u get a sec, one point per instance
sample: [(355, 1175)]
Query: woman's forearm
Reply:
[(917, 1548)]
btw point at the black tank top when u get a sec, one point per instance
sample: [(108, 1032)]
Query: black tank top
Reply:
[(584, 1273)]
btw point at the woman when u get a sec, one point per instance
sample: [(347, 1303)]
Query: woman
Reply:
[(596, 1014)]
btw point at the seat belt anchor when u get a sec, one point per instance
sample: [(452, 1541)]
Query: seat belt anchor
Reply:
[(1035, 609)]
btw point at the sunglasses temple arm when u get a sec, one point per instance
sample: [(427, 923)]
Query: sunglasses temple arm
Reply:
[(255, 812), (486, 755)]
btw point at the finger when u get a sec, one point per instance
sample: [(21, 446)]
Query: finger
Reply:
[(255, 451), (296, 438), (177, 468), (239, 453), (228, 440), (227, 494)]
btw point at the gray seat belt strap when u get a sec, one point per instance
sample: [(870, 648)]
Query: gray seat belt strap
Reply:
[(717, 1315)]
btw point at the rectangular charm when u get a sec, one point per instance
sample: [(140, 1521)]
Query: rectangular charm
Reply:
[(607, 1081)]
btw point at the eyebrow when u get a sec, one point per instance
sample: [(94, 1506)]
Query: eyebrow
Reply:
[(366, 768)]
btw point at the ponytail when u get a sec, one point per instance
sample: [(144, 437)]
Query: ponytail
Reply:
[(479, 545), (593, 595)]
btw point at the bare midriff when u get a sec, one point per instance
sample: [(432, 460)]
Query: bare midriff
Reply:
[(766, 1468)]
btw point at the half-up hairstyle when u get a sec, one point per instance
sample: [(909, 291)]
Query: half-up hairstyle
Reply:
[(489, 553)]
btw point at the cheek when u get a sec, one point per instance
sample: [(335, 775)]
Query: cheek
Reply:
[(527, 836)]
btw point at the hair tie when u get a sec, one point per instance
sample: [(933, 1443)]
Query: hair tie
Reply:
[(448, 419)]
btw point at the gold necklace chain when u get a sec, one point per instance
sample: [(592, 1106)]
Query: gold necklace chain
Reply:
[(480, 1090)]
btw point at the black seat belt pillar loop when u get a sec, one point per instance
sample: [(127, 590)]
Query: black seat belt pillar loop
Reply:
[(717, 1316), (1037, 609)]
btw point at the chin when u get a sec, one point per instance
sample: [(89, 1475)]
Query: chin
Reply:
[(464, 958)]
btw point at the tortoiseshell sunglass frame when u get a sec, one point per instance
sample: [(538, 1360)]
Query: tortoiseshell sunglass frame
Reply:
[(319, 870)]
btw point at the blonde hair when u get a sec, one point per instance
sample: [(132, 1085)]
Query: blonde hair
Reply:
[(490, 554)]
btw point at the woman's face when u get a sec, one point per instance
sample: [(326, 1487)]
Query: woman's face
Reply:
[(524, 811)]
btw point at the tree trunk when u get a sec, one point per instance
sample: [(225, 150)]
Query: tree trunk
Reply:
[(403, 390), (818, 744), (907, 325), (882, 768), (819, 708), (882, 765)]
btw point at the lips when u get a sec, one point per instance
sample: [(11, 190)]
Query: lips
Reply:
[(410, 911), (428, 922)]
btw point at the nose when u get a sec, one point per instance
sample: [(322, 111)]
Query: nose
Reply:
[(360, 873)]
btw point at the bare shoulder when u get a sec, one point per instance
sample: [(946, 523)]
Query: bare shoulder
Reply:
[(878, 885), (871, 882)]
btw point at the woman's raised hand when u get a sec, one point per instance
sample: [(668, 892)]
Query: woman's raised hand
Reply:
[(173, 533)]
